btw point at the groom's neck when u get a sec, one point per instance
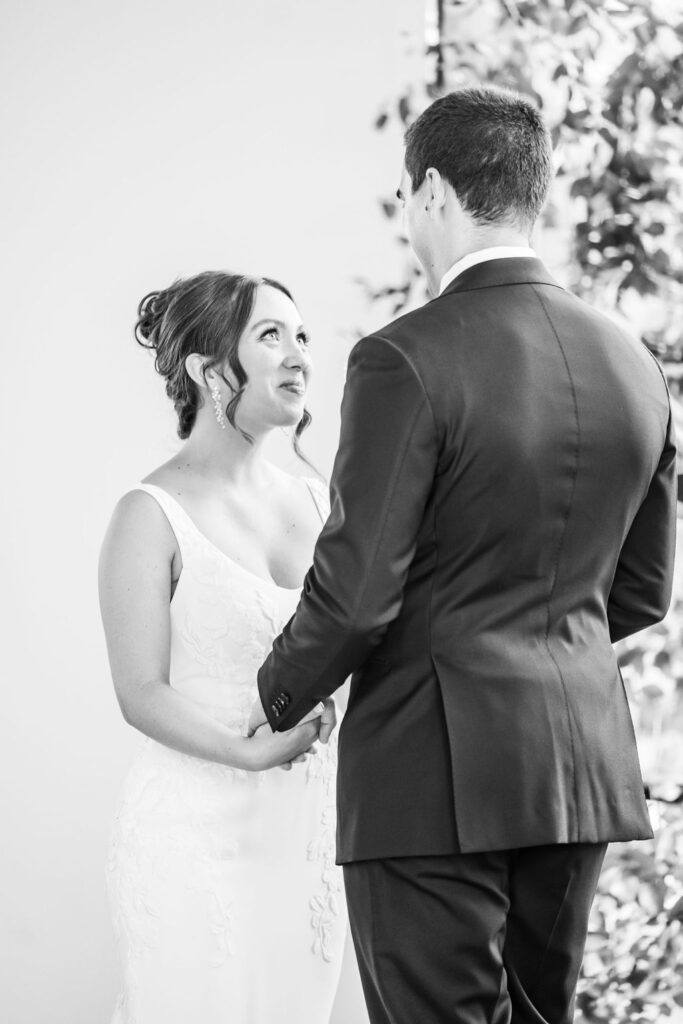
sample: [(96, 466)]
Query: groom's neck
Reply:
[(479, 238), (463, 243)]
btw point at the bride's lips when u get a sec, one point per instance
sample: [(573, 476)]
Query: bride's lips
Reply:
[(296, 387)]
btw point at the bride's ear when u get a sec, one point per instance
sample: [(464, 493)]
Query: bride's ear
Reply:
[(194, 364)]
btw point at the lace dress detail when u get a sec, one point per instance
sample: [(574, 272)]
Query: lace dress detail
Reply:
[(227, 903)]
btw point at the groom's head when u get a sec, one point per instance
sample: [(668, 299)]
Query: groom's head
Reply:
[(478, 166)]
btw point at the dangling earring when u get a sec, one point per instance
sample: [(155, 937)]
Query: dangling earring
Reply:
[(217, 406)]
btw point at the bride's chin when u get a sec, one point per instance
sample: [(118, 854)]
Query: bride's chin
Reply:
[(291, 415)]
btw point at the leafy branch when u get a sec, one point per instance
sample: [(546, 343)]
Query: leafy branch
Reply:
[(608, 75)]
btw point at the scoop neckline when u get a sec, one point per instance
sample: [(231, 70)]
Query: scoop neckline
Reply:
[(270, 582)]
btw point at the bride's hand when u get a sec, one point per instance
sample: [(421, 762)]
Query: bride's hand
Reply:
[(270, 749)]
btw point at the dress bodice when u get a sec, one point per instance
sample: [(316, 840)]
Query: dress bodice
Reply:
[(214, 870), (224, 618)]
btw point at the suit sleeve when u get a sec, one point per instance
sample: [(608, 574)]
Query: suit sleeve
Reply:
[(641, 590), (383, 474)]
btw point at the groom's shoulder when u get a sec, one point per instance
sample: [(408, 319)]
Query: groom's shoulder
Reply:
[(568, 310), (414, 321), (406, 335)]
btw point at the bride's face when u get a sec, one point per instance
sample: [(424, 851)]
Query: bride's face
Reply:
[(273, 351)]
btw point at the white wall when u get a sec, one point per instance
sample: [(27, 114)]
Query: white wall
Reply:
[(146, 140)]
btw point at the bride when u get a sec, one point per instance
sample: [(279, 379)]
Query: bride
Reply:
[(227, 904)]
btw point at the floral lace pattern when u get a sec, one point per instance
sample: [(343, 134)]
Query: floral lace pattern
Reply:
[(325, 904), (209, 864)]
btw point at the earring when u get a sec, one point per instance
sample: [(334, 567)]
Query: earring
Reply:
[(217, 406)]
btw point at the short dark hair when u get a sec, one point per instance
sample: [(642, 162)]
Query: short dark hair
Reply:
[(492, 146), (207, 314)]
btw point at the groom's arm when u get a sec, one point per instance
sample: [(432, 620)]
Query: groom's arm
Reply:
[(642, 585), (382, 477)]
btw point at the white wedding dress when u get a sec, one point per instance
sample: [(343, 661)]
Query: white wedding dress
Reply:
[(227, 904)]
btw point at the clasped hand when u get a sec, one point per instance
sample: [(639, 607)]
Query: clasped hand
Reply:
[(283, 749)]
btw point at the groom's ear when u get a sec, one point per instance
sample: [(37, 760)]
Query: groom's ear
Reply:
[(435, 188), (194, 364)]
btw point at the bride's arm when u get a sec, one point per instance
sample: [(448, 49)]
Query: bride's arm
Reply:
[(135, 581)]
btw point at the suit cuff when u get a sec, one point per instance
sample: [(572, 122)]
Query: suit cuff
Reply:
[(279, 709)]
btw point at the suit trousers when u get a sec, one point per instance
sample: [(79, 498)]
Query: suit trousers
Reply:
[(477, 938)]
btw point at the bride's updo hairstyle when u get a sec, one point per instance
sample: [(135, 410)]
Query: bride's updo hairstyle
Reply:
[(207, 314)]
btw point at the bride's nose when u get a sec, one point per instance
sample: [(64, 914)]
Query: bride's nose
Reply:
[(297, 359)]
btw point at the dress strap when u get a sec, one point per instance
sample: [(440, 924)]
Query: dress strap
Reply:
[(321, 496), (178, 519)]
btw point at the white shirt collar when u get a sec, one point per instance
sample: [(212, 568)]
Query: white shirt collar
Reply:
[(495, 252)]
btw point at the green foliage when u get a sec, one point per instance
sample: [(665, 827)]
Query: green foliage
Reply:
[(652, 668), (608, 75), (632, 968), (632, 965)]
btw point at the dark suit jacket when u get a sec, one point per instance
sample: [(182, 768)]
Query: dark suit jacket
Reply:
[(503, 508)]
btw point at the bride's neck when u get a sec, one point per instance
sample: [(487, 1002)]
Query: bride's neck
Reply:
[(223, 454)]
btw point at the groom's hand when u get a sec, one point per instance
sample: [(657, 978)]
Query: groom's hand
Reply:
[(328, 720)]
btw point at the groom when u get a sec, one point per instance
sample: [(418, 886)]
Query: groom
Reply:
[(503, 509)]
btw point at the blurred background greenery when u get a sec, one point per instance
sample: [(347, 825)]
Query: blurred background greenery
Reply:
[(608, 75)]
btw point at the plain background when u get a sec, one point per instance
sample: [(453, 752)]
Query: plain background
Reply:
[(145, 140)]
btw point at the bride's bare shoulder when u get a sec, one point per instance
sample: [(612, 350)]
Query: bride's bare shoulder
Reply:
[(139, 548), (138, 519), (136, 516)]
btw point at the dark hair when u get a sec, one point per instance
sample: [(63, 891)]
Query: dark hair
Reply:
[(207, 314), (492, 146)]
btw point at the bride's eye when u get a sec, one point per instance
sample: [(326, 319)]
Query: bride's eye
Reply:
[(303, 338), (270, 332)]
